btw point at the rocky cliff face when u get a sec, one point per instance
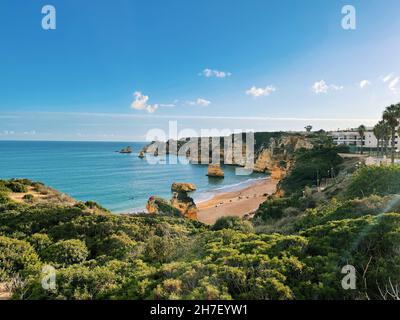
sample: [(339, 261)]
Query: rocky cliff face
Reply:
[(276, 157), (273, 151), (180, 204), (185, 205)]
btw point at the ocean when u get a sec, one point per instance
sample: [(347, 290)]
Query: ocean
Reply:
[(95, 171)]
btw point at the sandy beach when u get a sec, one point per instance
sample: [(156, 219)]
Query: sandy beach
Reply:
[(236, 203)]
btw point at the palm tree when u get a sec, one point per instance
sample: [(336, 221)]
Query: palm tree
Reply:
[(391, 115), (361, 131), (378, 132), (386, 135)]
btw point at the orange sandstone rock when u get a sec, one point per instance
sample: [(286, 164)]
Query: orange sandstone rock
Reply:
[(214, 170)]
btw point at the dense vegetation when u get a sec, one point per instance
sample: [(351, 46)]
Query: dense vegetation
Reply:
[(311, 166), (383, 180), (294, 248)]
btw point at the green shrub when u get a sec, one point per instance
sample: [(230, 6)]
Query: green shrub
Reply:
[(40, 241), (17, 257), (4, 197), (28, 197), (118, 246), (94, 205), (278, 208), (77, 283), (66, 252), (80, 205), (379, 180), (342, 148), (16, 186), (235, 223)]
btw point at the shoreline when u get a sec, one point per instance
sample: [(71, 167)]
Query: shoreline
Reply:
[(236, 203)]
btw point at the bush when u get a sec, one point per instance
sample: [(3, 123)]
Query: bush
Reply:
[(378, 180), (28, 197), (234, 223), (17, 258), (280, 207), (66, 252), (80, 205), (118, 246), (4, 197), (16, 186), (342, 148), (77, 283), (40, 241), (94, 205)]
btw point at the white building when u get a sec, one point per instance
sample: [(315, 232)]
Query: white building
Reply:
[(353, 139)]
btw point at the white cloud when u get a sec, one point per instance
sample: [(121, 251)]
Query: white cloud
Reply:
[(364, 83), (199, 102), (259, 92), (214, 73), (151, 108), (322, 87), (335, 87), (140, 102)]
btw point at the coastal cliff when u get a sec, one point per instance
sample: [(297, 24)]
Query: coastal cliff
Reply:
[(273, 151)]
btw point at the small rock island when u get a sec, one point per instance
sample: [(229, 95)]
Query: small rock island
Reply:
[(127, 149), (215, 171)]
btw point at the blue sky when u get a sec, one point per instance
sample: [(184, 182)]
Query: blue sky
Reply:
[(254, 64)]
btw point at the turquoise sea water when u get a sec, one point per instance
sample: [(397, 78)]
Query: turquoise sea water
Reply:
[(94, 171)]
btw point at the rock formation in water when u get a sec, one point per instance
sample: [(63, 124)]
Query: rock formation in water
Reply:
[(183, 187), (127, 149), (141, 154), (215, 171)]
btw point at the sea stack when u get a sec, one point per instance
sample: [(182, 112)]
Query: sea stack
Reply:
[(141, 154), (214, 170), (180, 204), (181, 201), (183, 187), (128, 149)]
